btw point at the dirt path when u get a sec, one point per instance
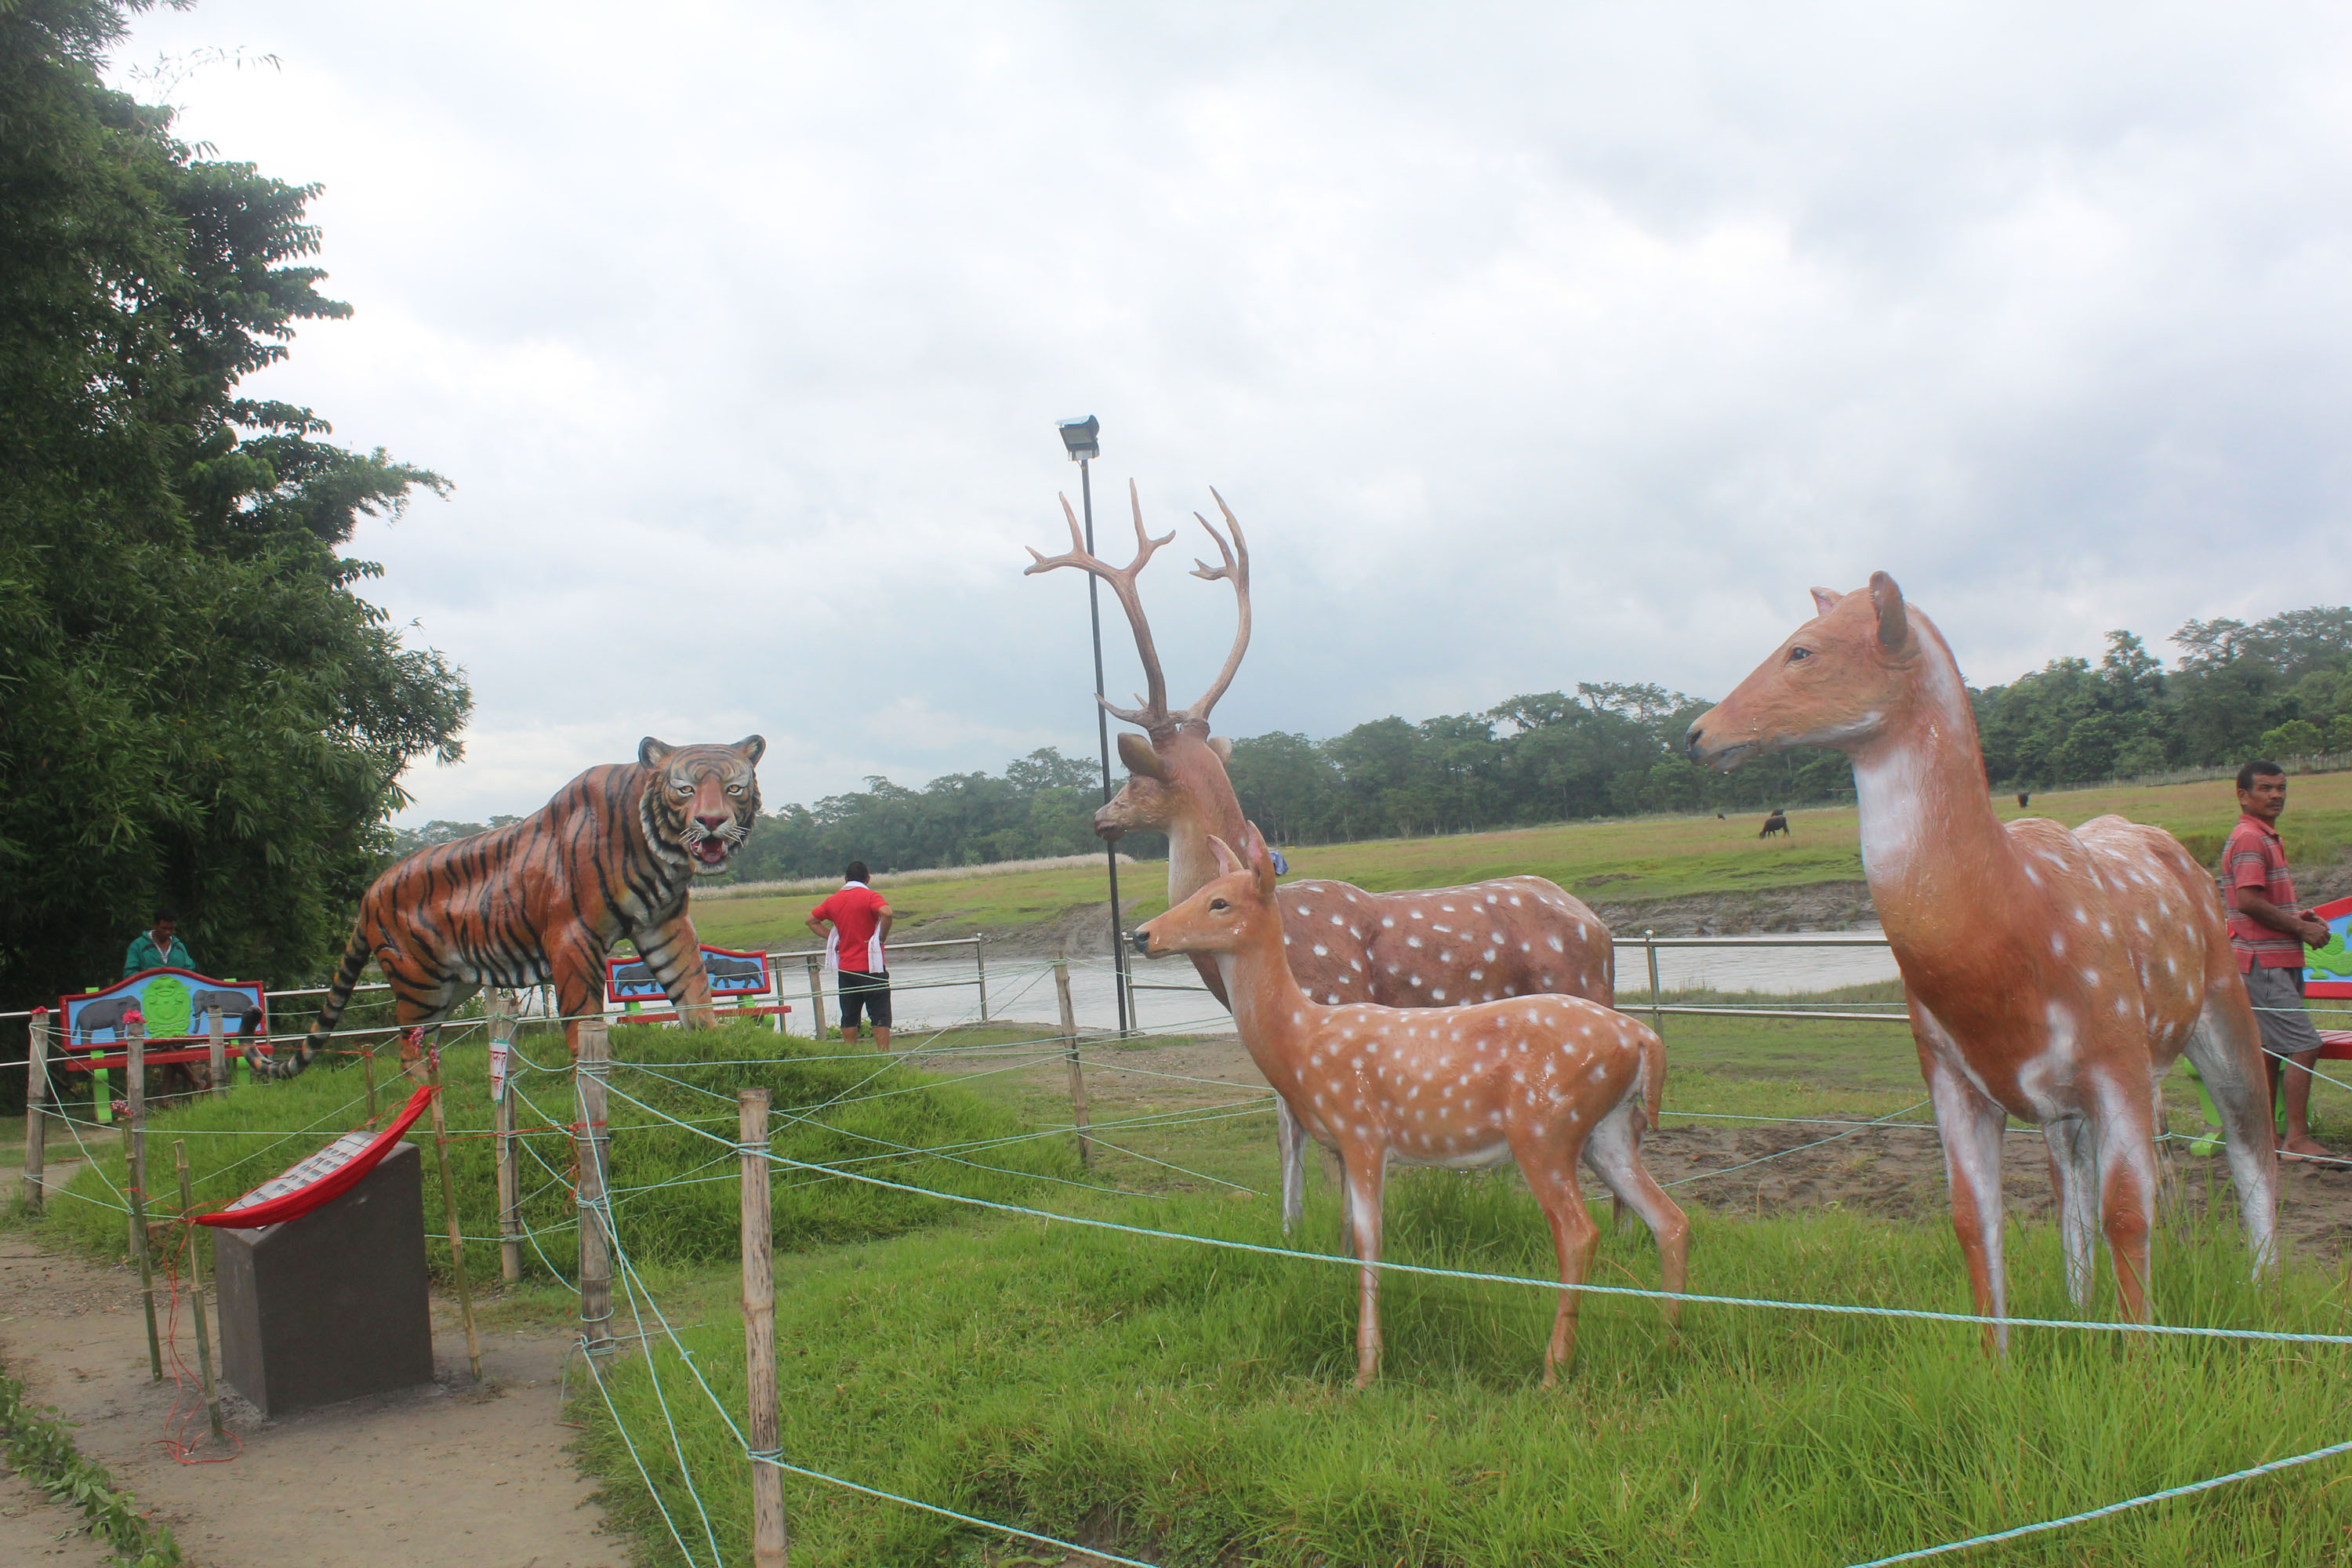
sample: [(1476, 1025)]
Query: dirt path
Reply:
[(1893, 1171), (435, 1478)]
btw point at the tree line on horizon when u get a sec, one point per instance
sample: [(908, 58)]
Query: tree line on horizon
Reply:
[(2280, 686)]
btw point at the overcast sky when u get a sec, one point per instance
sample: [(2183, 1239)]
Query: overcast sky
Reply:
[(1531, 345)]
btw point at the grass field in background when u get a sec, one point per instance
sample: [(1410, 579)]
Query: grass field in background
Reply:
[(1636, 860)]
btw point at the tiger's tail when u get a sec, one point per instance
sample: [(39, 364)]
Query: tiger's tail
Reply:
[(356, 953)]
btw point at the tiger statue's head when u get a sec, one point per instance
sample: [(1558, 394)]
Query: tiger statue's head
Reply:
[(700, 802)]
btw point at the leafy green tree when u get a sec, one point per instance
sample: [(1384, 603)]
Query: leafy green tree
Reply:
[(195, 705)]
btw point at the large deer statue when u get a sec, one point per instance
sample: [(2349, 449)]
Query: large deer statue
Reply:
[(2052, 975), (1544, 1080), (1516, 936)]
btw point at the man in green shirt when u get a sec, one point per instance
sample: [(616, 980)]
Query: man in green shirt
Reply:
[(158, 949)]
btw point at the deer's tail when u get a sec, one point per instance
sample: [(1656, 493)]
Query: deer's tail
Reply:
[(1654, 1078), (356, 953)]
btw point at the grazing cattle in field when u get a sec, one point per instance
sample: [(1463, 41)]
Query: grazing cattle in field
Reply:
[(1775, 823)]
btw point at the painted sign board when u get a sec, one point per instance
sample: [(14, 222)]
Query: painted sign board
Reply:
[(732, 973), (176, 1003), (2327, 971)]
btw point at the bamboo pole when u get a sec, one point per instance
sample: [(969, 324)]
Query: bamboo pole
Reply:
[(449, 1207), (196, 1278), (37, 1098), (1078, 1074), (592, 1141), (816, 996), (502, 1033), (980, 965), (217, 1063), (134, 1070), (763, 1427), (367, 1071)]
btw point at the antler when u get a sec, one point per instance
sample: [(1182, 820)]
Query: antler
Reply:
[(1153, 714), (1235, 572)]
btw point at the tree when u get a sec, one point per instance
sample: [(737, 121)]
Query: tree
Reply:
[(195, 707)]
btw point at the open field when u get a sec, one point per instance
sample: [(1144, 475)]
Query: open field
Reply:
[(1641, 860)]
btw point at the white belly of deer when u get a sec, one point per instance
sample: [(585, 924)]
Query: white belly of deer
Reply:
[(1498, 1153)]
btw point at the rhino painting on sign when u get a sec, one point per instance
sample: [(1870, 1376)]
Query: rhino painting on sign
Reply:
[(2051, 974)]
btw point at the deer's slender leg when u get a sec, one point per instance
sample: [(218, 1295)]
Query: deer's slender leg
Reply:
[(2074, 1174), (1290, 1147), (2125, 1156), (2222, 1044), (1551, 1169), (1367, 1176), (1969, 1127), (1615, 1155)]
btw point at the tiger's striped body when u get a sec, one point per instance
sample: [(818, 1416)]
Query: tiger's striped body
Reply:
[(543, 900)]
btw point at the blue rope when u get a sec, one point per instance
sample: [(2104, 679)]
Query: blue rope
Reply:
[(2248, 1474)]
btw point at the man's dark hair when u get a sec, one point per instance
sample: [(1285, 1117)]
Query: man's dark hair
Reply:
[(857, 872), (2261, 767), (166, 912)]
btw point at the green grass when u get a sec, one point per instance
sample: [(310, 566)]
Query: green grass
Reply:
[(1615, 861), (1190, 1406), (896, 1107)]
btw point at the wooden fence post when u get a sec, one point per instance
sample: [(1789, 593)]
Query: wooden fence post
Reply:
[(134, 1072), (1078, 1074), (449, 1206), (217, 1062), (764, 1428), (502, 1032), (980, 964), (816, 995), (592, 1141), (36, 1098), (196, 1278)]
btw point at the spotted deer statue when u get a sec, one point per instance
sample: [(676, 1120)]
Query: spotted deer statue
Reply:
[(1516, 936), (2052, 975), (1544, 1080)]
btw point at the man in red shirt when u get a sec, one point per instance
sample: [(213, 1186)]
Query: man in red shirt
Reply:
[(2269, 935), (860, 920)]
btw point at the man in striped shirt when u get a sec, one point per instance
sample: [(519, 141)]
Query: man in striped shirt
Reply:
[(2269, 933)]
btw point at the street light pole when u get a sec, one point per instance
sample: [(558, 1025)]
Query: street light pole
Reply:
[(1080, 436)]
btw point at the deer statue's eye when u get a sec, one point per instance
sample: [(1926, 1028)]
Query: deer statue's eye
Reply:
[(1799, 655), (1218, 906)]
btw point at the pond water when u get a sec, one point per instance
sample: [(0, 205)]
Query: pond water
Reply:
[(934, 994)]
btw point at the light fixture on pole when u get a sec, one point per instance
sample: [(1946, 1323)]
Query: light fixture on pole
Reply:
[(1081, 439)]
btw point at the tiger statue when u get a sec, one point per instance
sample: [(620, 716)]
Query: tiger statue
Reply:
[(543, 900)]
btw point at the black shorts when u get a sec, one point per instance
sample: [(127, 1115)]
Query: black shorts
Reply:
[(870, 992)]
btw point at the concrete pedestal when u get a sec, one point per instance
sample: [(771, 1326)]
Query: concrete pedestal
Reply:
[(331, 1306)]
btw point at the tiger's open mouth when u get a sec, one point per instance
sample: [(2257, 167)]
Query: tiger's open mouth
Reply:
[(711, 850)]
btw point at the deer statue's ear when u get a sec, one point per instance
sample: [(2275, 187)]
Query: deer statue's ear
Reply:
[(754, 748), (651, 752), (1825, 601), (1893, 627), (1222, 747), (1141, 759), (1227, 861), (1261, 860)]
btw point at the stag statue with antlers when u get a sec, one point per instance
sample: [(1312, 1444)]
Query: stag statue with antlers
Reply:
[(1546, 1081), (2053, 975), (1443, 947)]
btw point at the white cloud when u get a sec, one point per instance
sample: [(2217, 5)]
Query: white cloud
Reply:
[(1531, 346)]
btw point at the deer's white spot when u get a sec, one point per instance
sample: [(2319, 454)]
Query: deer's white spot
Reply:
[(1322, 952), (1556, 945), (1386, 924), (1436, 995)]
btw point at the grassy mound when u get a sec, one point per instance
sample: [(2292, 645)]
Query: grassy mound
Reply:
[(1190, 1406), (674, 1189)]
